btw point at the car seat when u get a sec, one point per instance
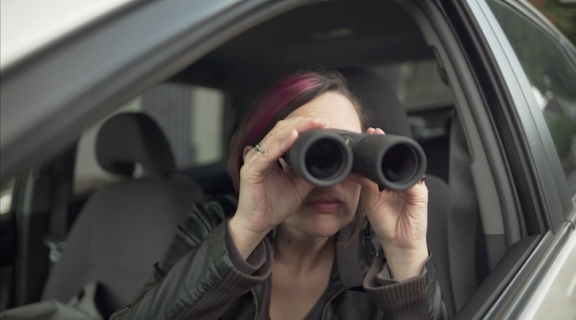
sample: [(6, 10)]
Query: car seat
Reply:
[(125, 227), (387, 112)]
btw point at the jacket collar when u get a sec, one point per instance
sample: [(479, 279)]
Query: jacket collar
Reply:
[(350, 260)]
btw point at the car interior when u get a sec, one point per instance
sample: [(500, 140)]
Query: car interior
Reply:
[(104, 210)]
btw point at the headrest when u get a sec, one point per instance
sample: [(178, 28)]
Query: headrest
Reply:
[(129, 138), (381, 101)]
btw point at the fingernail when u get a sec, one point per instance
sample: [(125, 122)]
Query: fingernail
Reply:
[(422, 179)]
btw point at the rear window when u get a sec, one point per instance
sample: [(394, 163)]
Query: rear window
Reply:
[(418, 85), (191, 117)]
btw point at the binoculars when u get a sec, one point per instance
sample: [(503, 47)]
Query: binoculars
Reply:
[(326, 157)]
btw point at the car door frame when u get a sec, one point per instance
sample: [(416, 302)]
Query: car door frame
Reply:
[(536, 168)]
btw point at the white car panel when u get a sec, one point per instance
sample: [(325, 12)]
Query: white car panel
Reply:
[(555, 296), (29, 25)]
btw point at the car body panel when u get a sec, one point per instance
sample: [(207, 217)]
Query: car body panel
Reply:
[(548, 179), (555, 297), (28, 26), (546, 169)]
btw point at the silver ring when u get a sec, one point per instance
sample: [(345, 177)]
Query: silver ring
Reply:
[(259, 150)]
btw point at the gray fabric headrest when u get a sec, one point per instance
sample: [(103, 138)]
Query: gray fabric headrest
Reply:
[(129, 138), (381, 101)]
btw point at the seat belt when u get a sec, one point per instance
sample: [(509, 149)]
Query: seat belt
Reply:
[(62, 176), (462, 217)]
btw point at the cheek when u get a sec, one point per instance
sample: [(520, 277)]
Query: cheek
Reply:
[(352, 191)]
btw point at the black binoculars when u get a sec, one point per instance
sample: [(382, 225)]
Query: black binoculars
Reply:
[(326, 157)]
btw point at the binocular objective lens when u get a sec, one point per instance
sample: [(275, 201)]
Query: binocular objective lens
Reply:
[(399, 163), (324, 159)]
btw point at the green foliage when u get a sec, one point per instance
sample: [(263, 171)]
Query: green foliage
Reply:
[(563, 131), (539, 55), (548, 69), (562, 15)]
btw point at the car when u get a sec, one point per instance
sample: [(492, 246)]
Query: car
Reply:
[(487, 87)]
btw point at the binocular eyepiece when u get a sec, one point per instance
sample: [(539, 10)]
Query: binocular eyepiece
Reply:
[(326, 157)]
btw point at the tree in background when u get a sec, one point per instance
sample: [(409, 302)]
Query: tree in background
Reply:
[(562, 13)]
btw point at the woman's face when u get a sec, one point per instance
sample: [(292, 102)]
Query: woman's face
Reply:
[(327, 210)]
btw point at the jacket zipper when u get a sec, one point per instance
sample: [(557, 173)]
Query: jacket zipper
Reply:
[(255, 303), (342, 290), (330, 301)]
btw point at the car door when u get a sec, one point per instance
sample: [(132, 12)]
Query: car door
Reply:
[(527, 73), (516, 170)]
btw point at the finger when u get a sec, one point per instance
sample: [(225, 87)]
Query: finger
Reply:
[(303, 187), (417, 193), (361, 180), (288, 169), (276, 138), (375, 131), (305, 124), (283, 127), (369, 187), (420, 185), (259, 163), (275, 147)]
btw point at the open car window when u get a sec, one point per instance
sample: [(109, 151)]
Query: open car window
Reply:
[(552, 75), (209, 71)]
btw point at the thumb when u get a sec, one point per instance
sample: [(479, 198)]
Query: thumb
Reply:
[(303, 187)]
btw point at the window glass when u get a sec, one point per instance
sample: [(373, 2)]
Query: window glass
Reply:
[(429, 103), (418, 85), (6, 195), (552, 76), (191, 118), (206, 136)]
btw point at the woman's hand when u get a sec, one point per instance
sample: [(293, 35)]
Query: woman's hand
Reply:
[(400, 220), (268, 195)]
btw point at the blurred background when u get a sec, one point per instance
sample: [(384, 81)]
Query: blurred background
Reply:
[(562, 13)]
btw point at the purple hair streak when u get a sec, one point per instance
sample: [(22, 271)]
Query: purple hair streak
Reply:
[(277, 98), (276, 104)]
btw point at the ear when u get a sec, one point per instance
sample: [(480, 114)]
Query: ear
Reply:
[(246, 150)]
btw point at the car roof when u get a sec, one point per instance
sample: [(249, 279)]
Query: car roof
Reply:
[(27, 26), (330, 34)]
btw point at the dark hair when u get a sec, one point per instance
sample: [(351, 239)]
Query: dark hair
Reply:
[(276, 104)]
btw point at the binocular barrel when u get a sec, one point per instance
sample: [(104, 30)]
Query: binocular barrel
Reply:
[(326, 157)]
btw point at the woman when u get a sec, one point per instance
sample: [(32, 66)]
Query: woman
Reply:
[(291, 250)]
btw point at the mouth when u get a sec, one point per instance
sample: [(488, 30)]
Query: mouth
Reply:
[(325, 204)]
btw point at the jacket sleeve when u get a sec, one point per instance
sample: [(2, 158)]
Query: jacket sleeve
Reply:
[(197, 277), (415, 298)]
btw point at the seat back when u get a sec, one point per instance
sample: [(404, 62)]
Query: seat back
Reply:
[(388, 113), (125, 227)]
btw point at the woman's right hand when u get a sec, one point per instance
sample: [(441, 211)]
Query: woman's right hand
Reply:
[(268, 194)]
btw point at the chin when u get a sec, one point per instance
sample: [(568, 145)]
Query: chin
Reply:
[(319, 224), (325, 227)]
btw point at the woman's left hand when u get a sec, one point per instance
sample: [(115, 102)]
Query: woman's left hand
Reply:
[(400, 220)]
